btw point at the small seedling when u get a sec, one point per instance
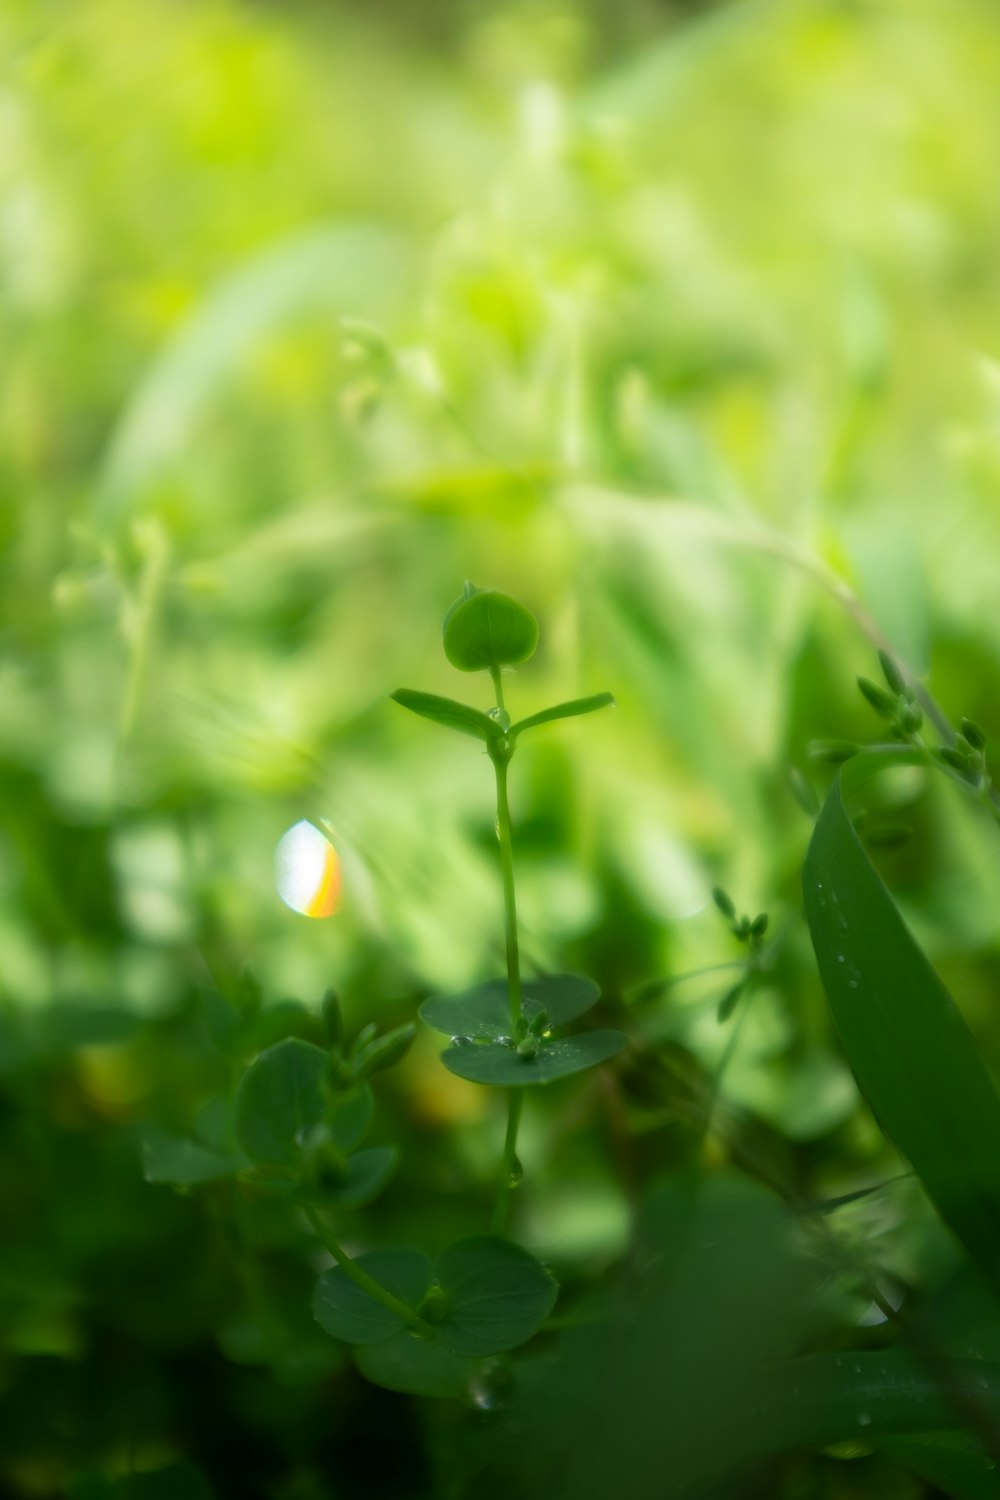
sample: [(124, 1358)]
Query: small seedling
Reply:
[(511, 1022)]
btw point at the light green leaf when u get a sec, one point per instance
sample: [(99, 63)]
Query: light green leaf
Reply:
[(564, 711), (911, 1051), (488, 630), (346, 1312), (280, 1096), (498, 1064), (484, 1010), (498, 1295), (447, 711)]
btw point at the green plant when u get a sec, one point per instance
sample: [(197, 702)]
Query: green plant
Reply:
[(300, 1111)]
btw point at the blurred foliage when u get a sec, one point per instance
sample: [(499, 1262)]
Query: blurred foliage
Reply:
[(679, 322)]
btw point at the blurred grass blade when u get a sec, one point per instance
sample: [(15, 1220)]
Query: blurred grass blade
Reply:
[(448, 712), (565, 711), (913, 1055)]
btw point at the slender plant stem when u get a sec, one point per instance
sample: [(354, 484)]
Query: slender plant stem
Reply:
[(515, 1097), (508, 1167), (509, 902), (361, 1278)]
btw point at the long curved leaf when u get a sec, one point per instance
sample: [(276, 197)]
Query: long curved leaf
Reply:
[(911, 1051)]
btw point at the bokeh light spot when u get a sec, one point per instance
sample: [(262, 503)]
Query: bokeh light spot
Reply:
[(307, 871)]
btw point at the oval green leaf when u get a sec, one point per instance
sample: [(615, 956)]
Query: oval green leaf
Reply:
[(281, 1094), (498, 1064), (184, 1163), (484, 1010), (498, 1295), (414, 1366), (448, 712), (488, 631), (351, 1117), (348, 1313), (368, 1172), (911, 1051)]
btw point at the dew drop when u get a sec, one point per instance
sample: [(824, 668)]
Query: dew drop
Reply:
[(841, 959), (462, 1041), (864, 1419), (516, 1172), (852, 984)]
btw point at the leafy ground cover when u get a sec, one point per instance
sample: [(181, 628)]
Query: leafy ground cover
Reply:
[(625, 1121)]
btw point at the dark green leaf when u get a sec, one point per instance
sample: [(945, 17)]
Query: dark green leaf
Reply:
[(975, 736), (446, 711), (174, 1159), (351, 1117), (910, 1049), (281, 1095), (497, 1295), (496, 1063), (346, 1312), (488, 631), (415, 1366), (564, 711), (723, 901), (362, 1178), (729, 1001), (484, 1010)]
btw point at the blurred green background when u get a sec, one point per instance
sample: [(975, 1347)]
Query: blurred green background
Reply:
[(681, 323)]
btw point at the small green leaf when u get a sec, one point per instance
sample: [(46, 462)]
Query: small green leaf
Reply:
[(891, 673), (882, 702), (564, 711), (348, 1313), (832, 752), (449, 713), (414, 1366), (174, 1159), (723, 901), (384, 1051), (975, 736), (498, 1064), (350, 1117), (497, 1294), (488, 631), (729, 1001), (484, 1010), (281, 1095), (333, 1019), (365, 1175)]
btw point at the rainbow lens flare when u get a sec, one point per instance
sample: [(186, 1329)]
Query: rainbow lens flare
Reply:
[(307, 871)]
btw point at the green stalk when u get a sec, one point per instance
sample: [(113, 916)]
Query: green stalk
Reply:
[(361, 1278), (509, 1169), (515, 1097)]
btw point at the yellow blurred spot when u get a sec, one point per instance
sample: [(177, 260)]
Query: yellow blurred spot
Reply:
[(307, 871)]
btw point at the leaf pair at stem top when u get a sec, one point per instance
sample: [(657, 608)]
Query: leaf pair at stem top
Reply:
[(485, 631)]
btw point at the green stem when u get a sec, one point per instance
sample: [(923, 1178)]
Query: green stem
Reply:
[(509, 902), (515, 1098), (508, 1167), (361, 1278)]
